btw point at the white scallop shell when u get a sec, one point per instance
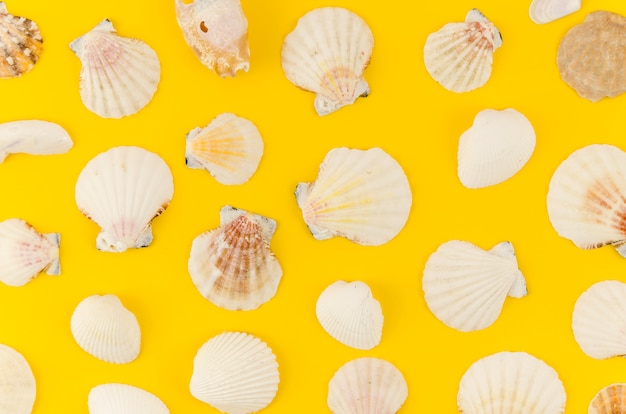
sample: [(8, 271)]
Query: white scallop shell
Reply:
[(586, 197), (362, 195), (327, 54), (105, 329), (20, 44), (609, 400), (349, 313), (367, 386), (495, 148), (511, 383), (459, 55), (545, 11), (17, 383), (123, 190), (33, 137), (229, 148), (116, 398), (119, 75), (236, 373), (465, 286), (24, 252)]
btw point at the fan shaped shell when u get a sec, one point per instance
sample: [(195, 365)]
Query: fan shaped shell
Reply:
[(236, 373), (123, 190), (361, 195), (459, 55), (17, 383), (545, 11), (33, 137), (609, 400), (229, 148), (105, 329), (511, 383), (21, 44), (119, 75), (349, 313), (124, 399), (326, 54), (367, 386)]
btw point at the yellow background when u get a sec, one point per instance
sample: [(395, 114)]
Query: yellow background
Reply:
[(408, 114)]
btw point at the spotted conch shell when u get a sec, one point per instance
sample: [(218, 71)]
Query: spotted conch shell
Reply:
[(20, 44)]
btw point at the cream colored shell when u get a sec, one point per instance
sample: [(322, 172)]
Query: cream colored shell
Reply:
[(117, 398), (20, 44), (609, 400), (33, 137), (545, 11), (17, 383)]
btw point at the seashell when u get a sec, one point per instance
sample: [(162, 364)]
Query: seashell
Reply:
[(17, 383), (609, 400), (20, 44), (124, 399), (349, 313), (495, 148), (465, 286), (545, 11), (459, 55), (105, 329), (233, 266), (327, 54), (119, 75), (229, 148), (235, 373), (367, 386), (123, 190), (24, 252), (586, 198), (511, 383), (592, 56), (362, 195), (33, 137), (217, 32)]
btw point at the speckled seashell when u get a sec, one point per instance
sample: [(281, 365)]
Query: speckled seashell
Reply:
[(327, 54), (233, 266), (362, 195), (24, 252), (229, 148), (236, 373), (367, 386), (116, 398), (459, 55), (545, 11), (33, 137), (17, 383), (609, 400), (217, 32), (20, 44), (119, 75)]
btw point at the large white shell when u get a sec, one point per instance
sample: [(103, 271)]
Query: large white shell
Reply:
[(123, 190), (459, 55), (609, 400), (361, 195), (229, 148), (545, 11), (495, 148), (367, 386), (33, 137), (105, 329), (17, 383), (349, 313), (119, 75), (236, 373), (24, 252), (327, 54), (20, 44), (116, 398)]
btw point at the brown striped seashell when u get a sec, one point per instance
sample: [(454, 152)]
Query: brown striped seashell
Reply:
[(609, 400), (20, 44)]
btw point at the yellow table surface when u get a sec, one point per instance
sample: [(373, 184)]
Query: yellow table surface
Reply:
[(408, 114)]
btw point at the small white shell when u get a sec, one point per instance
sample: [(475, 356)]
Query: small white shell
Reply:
[(17, 383), (119, 75), (495, 148), (236, 373), (349, 313), (33, 137), (545, 11), (20, 44), (105, 329), (361, 195), (24, 252), (609, 400), (367, 386), (124, 399)]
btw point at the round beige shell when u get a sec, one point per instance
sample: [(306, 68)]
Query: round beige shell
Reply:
[(17, 383), (327, 54), (33, 137), (362, 195), (545, 11), (217, 32), (105, 329), (233, 266), (123, 190), (366, 386), (229, 148), (609, 400), (20, 44), (123, 399), (24, 252), (511, 383), (349, 313), (119, 75), (459, 55), (592, 56), (465, 286), (236, 373)]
